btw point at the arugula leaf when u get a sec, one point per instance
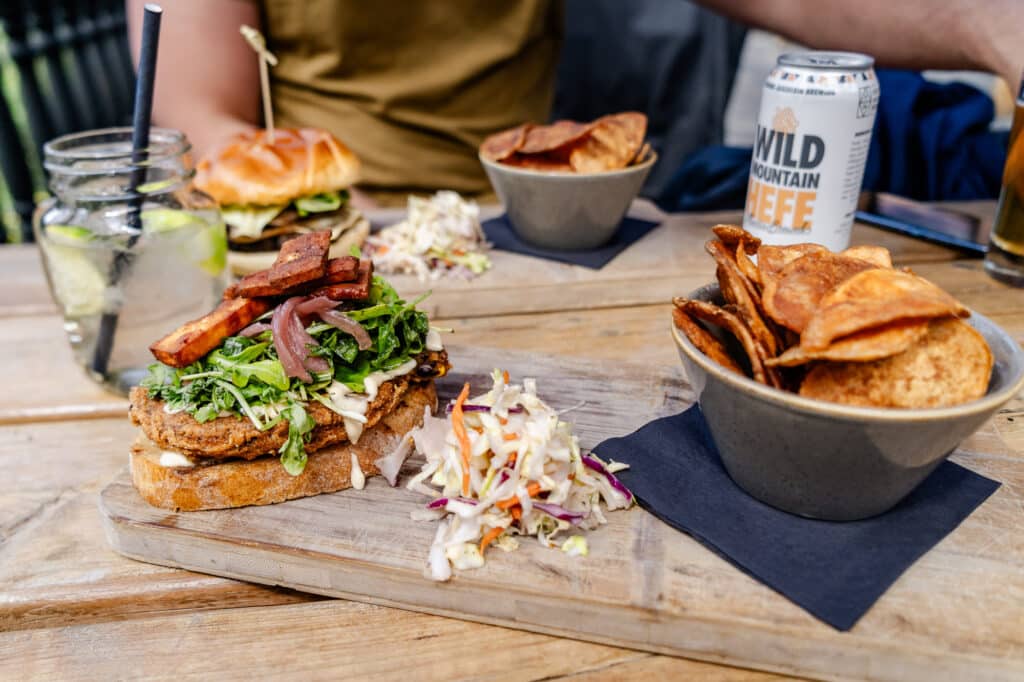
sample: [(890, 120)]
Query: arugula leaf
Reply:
[(354, 374), (243, 366), (293, 452)]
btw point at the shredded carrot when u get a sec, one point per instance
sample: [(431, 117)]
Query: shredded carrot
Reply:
[(504, 375), (510, 436), (507, 502), (517, 512), (459, 427), (502, 421), (490, 537), (383, 248), (512, 459), (532, 489)]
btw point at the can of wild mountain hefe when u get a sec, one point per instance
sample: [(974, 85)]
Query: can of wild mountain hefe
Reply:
[(810, 148)]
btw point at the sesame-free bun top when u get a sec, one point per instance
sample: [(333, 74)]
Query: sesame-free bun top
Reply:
[(249, 170)]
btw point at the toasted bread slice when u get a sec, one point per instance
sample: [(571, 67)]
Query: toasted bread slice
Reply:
[(215, 484), (195, 339)]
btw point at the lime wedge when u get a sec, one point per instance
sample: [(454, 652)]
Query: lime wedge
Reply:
[(165, 219), (73, 235), (78, 283), (207, 248), (216, 248)]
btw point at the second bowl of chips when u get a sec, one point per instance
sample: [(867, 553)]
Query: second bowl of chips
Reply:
[(567, 185), (566, 210)]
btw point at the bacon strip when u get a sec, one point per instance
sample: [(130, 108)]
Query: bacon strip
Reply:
[(195, 339), (358, 290), (301, 260)]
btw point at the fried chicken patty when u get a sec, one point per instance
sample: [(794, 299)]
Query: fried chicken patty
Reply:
[(236, 437)]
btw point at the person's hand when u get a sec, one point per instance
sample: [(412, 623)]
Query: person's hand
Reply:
[(999, 39)]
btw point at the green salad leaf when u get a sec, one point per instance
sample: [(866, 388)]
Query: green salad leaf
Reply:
[(249, 221), (321, 203), (293, 452), (243, 377)]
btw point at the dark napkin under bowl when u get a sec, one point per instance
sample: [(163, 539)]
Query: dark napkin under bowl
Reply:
[(830, 461)]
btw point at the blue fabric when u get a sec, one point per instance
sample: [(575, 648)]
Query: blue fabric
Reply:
[(931, 142), (833, 570)]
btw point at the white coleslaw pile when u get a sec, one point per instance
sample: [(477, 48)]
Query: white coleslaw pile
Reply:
[(439, 235), (526, 475)]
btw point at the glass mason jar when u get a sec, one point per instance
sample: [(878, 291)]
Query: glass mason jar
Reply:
[(126, 264)]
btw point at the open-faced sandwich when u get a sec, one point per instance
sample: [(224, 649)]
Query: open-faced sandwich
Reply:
[(272, 187), (304, 375)]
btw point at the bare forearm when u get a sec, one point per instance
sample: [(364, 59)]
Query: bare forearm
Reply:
[(207, 82), (918, 34)]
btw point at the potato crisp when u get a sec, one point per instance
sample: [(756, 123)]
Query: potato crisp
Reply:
[(842, 327), (610, 143)]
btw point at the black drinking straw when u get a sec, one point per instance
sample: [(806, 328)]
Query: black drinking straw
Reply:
[(140, 154)]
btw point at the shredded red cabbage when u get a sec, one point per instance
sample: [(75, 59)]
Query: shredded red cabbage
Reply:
[(559, 512), (480, 408), (598, 466)]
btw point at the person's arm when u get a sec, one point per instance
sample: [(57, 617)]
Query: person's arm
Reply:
[(207, 78), (917, 34)]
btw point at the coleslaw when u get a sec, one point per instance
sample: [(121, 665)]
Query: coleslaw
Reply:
[(440, 235), (501, 465)]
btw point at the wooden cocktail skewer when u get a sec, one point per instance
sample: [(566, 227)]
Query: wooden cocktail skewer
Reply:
[(257, 43)]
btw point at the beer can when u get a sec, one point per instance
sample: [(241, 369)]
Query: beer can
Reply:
[(810, 148)]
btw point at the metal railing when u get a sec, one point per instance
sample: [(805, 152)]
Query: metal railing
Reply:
[(64, 67)]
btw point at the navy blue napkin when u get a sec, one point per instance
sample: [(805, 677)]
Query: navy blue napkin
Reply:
[(500, 233), (833, 570)]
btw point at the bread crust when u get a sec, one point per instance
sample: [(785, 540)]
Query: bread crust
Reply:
[(213, 484), (250, 171)]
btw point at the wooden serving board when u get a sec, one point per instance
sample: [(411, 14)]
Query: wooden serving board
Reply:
[(957, 614)]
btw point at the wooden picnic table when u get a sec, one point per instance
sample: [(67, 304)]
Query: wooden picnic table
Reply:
[(70, 607)]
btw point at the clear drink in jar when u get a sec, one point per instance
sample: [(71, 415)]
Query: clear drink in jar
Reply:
[(147, 260)]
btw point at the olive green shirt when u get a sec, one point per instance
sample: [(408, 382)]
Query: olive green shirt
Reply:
[(414, 86)]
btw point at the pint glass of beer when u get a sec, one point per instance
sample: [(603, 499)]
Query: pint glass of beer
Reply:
[(1005, 257)]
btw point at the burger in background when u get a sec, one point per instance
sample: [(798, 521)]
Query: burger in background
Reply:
[(271, 191)]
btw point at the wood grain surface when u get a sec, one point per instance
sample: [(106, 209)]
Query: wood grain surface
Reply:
[(71, 608), (644, 585)]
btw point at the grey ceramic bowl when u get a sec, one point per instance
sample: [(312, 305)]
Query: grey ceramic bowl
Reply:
[(559, 210), (831, 461)]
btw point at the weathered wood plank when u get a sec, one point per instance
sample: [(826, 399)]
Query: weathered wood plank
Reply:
[(41, 381), (335, 640), (644, 585)]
